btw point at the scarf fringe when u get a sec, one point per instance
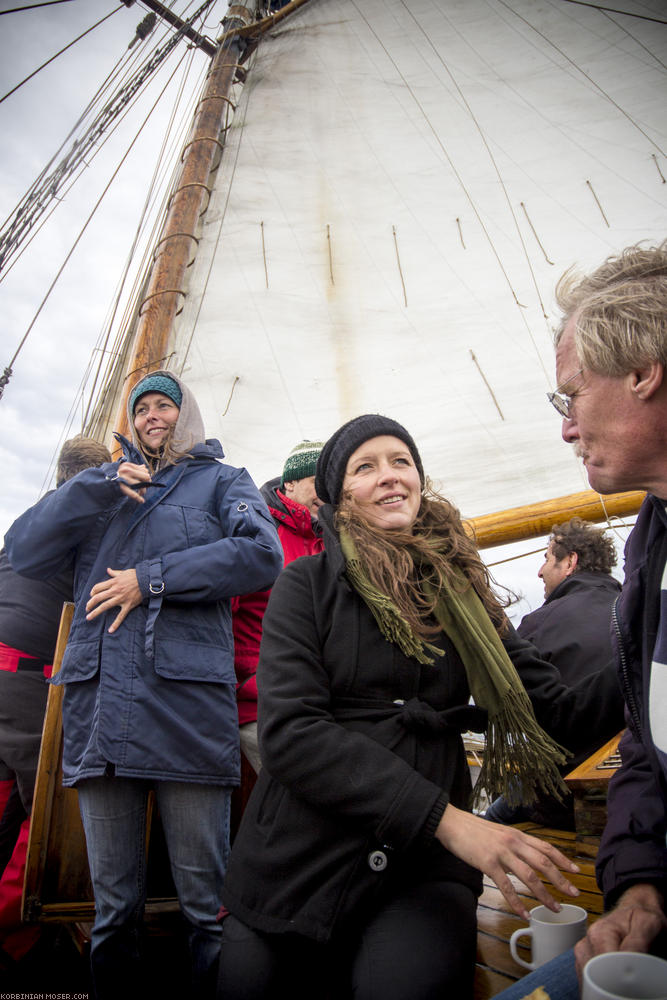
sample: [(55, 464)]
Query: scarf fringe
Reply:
[(507, 743)]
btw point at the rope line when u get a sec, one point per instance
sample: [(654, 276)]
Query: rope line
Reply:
[(459, 178), (37, 199), (83, 230), (587, 77), (54, 57)]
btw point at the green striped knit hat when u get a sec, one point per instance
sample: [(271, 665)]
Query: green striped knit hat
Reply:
[(301, 461)]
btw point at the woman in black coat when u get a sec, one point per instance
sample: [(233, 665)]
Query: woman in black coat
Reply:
[(357, 866)]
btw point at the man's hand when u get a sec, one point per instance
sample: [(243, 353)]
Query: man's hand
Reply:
[(500, 851), (632, 925), (122, 591)]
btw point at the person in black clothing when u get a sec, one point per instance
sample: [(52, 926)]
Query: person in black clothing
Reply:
[(29, 619), (572, 630), (358, 861)]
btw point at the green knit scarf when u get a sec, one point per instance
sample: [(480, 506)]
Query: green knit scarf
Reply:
[(519, 755)]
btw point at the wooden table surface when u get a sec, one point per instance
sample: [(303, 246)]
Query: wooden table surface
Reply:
[(496, 969)]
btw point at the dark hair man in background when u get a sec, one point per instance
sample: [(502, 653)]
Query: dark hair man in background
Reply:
[(572, 629)]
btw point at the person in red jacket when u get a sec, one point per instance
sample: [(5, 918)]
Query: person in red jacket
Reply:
[(293, 503)]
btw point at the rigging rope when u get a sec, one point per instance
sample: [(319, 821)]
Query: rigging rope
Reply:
[(613, 10), (32, 6), (38, 198), (590, 79), (54, 57), (4, 379), (458, 176), (500, 179), (634, 38), (96, 99), (155, 184)]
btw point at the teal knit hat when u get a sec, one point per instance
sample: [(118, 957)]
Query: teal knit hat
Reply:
[(301, 461), (157, 383)]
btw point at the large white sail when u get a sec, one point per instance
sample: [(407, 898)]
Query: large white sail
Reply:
[(402, 185)]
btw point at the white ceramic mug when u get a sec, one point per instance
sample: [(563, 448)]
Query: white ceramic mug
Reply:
[(550, 933), (624, 975)]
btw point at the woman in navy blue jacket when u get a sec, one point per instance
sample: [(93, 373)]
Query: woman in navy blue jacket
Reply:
[(160, 542)]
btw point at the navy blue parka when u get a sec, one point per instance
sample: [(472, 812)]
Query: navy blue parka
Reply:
[(156, 698)]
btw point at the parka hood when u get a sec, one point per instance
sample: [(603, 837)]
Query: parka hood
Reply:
[(189, 428)]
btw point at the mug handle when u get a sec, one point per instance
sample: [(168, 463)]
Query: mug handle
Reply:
[(528, 932)]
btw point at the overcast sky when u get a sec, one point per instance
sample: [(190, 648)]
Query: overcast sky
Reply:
[(36, 411)]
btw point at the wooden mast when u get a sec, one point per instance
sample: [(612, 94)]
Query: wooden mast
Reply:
[(166, 284)]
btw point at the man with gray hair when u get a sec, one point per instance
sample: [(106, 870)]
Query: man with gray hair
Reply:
[(611, 368)]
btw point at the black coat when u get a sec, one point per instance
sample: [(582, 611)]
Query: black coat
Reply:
[(633, 847), (361, 753), (572, 629)]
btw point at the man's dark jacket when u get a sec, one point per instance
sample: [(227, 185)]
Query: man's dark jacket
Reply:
[(572, 630), (633, 847)]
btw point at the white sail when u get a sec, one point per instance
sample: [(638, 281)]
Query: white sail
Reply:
[(402, 185)]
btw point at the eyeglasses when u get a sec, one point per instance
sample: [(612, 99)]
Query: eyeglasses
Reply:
[(560, 400)]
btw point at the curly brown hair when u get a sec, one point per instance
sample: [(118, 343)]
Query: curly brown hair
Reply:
[(397, 561), (595, 550)]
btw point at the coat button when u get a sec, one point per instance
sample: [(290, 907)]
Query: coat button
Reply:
[(377, 860)]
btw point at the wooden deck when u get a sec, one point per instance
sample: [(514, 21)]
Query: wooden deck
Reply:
[(496, 969)]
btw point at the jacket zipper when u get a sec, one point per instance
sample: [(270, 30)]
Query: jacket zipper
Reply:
[(627, 687)]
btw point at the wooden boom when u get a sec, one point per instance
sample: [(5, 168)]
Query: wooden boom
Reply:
[(535, 520)]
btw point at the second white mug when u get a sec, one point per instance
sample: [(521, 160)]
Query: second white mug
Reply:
[(625, 975), (550, 933)]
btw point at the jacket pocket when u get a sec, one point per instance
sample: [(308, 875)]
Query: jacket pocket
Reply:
[(80, 662), (184, 660)]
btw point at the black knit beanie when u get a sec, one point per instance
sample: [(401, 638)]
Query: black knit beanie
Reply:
[(332, 463)]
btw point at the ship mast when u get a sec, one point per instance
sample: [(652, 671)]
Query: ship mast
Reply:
[(165, 290)]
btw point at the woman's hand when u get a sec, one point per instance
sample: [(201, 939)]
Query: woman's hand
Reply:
[(632, 925), (133, 474), (499, 851), (122, 591)]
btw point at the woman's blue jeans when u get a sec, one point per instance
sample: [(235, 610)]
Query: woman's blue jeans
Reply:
[(195, 819)]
